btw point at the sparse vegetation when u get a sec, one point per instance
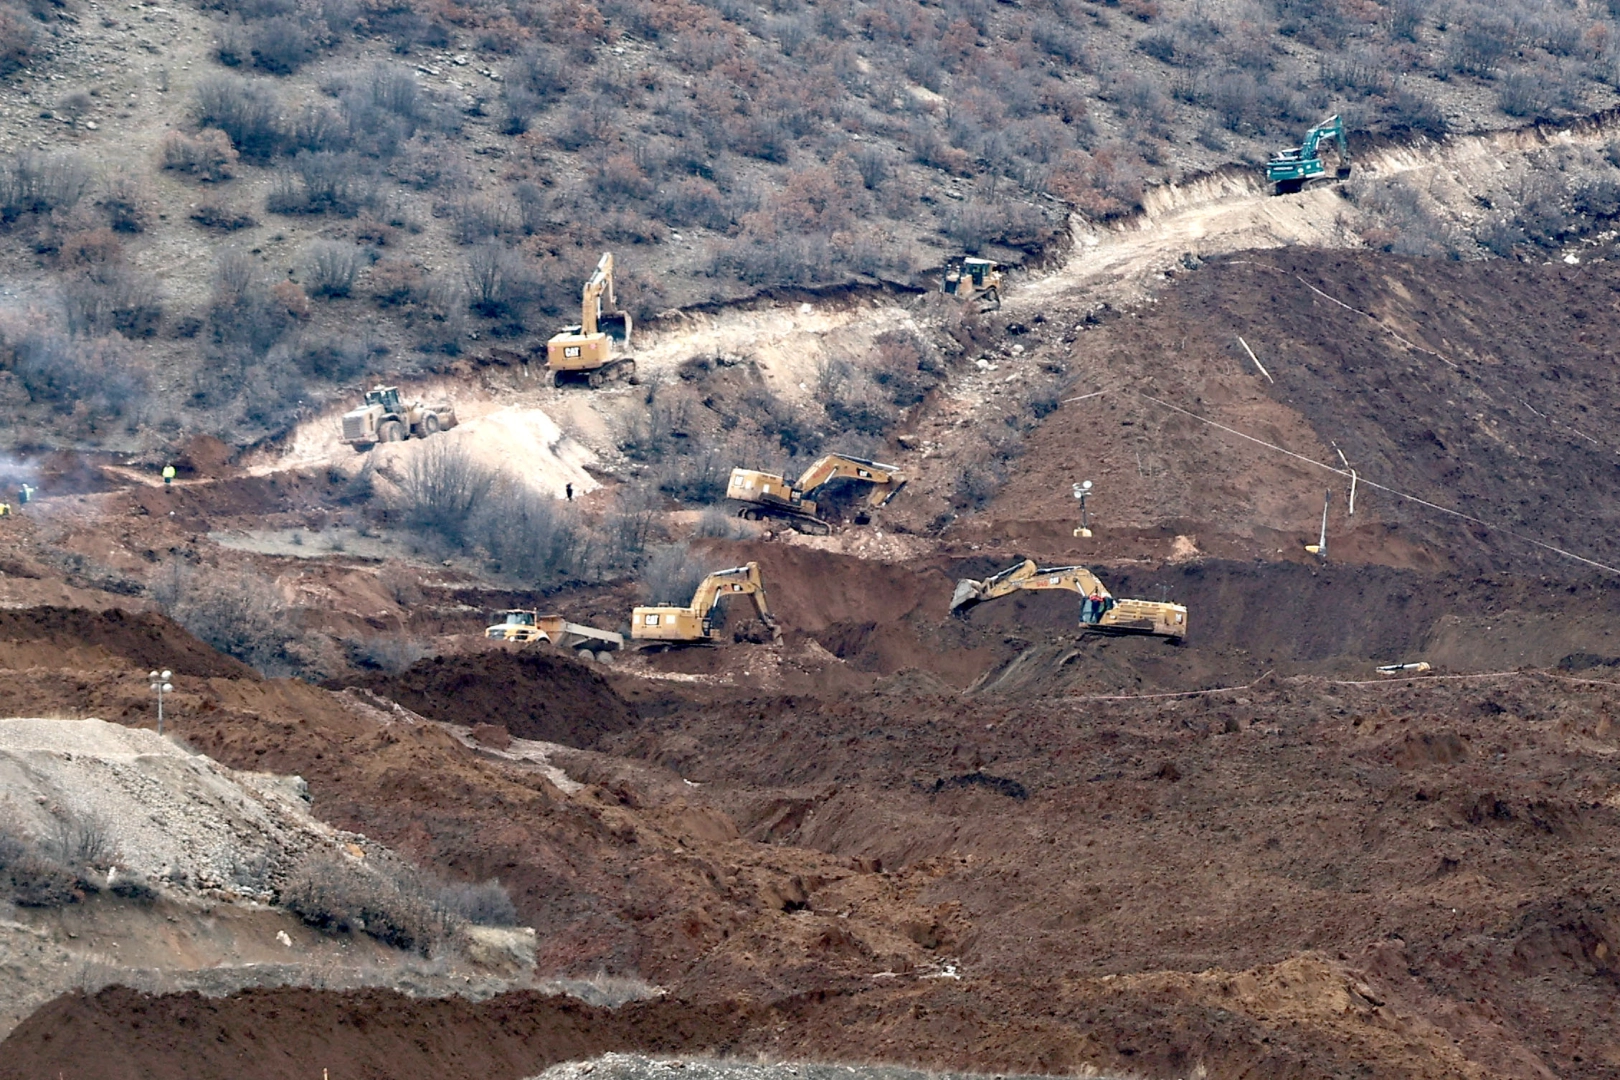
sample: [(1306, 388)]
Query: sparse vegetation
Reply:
[(394, 903)]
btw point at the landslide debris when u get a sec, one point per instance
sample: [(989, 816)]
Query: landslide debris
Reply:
[(531, 693)]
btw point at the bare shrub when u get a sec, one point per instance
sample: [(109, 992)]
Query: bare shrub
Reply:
[(324, 182), (240, 614), (478, 218), (55, 369), (499, 283), (392, 653), (628, 529), (333, 359), (29, 876), (1406, 17), (695, 477), (33, 183), (244, 310), (81, 839), (128, 203), (1536, 93), (17, 41), (441, 490), (221, 216), (280, 45), (331, 267), (718, 522), (531, 536), (246, 112), (207, 155), (395, 283), (483, 903), (111, 299), (671, 576), (393, 905), (648, 434), (1482, 41)]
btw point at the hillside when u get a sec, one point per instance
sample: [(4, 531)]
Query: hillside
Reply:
[(227, 215)]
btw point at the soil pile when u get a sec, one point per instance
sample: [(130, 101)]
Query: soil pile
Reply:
[(146, 639), (530, 693)]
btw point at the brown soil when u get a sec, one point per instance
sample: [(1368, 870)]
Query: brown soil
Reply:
[(147, 640), (987, 843), (532, 694)]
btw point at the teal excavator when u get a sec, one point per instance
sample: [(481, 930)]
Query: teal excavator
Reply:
[(1290, 170)]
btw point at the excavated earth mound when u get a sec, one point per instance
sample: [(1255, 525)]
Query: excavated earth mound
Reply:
[(530, 693), (146, 639)]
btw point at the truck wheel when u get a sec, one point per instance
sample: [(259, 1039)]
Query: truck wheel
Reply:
[(556, 378), (604, 657), (390, 431), (430, 425), (585, 655)]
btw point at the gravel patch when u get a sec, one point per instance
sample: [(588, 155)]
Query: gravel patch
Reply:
[(172, 815)]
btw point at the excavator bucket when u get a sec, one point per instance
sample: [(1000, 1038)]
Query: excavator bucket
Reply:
[(967, 593), (615, 324)]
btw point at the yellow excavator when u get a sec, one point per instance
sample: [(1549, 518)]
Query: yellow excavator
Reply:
[(1099, 611), (694, 624), (584, 353), (769, 495)]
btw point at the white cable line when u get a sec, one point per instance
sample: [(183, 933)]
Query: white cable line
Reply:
[(1380, 322), (1383, 487)]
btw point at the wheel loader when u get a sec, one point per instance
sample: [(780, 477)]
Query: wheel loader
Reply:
[(665, 625), (1292, 170), (526, 626), (769, 495), (584, 353), (975, 279), (386, 418), (1099, 611)]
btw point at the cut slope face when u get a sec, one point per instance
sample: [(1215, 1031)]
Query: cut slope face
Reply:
[(1485, 388)]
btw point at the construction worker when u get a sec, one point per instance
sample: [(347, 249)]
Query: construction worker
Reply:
[(5, 509), (25, 495), (168, 475), (568, 489)]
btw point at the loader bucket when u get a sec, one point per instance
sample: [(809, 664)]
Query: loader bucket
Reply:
[(615, 324)]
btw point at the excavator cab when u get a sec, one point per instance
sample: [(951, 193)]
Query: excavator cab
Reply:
[(1093, 608)]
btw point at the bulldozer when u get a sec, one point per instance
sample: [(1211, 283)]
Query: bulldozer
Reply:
[(975, 279), (769, 495), (385, 417), (665, 625), (526, 626), (584, 353), (1099, 611), (1292, 170)]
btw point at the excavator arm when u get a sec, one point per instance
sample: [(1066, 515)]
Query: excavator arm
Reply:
[(1026, 575), (885, 479), (740, 580), (600, 281)]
